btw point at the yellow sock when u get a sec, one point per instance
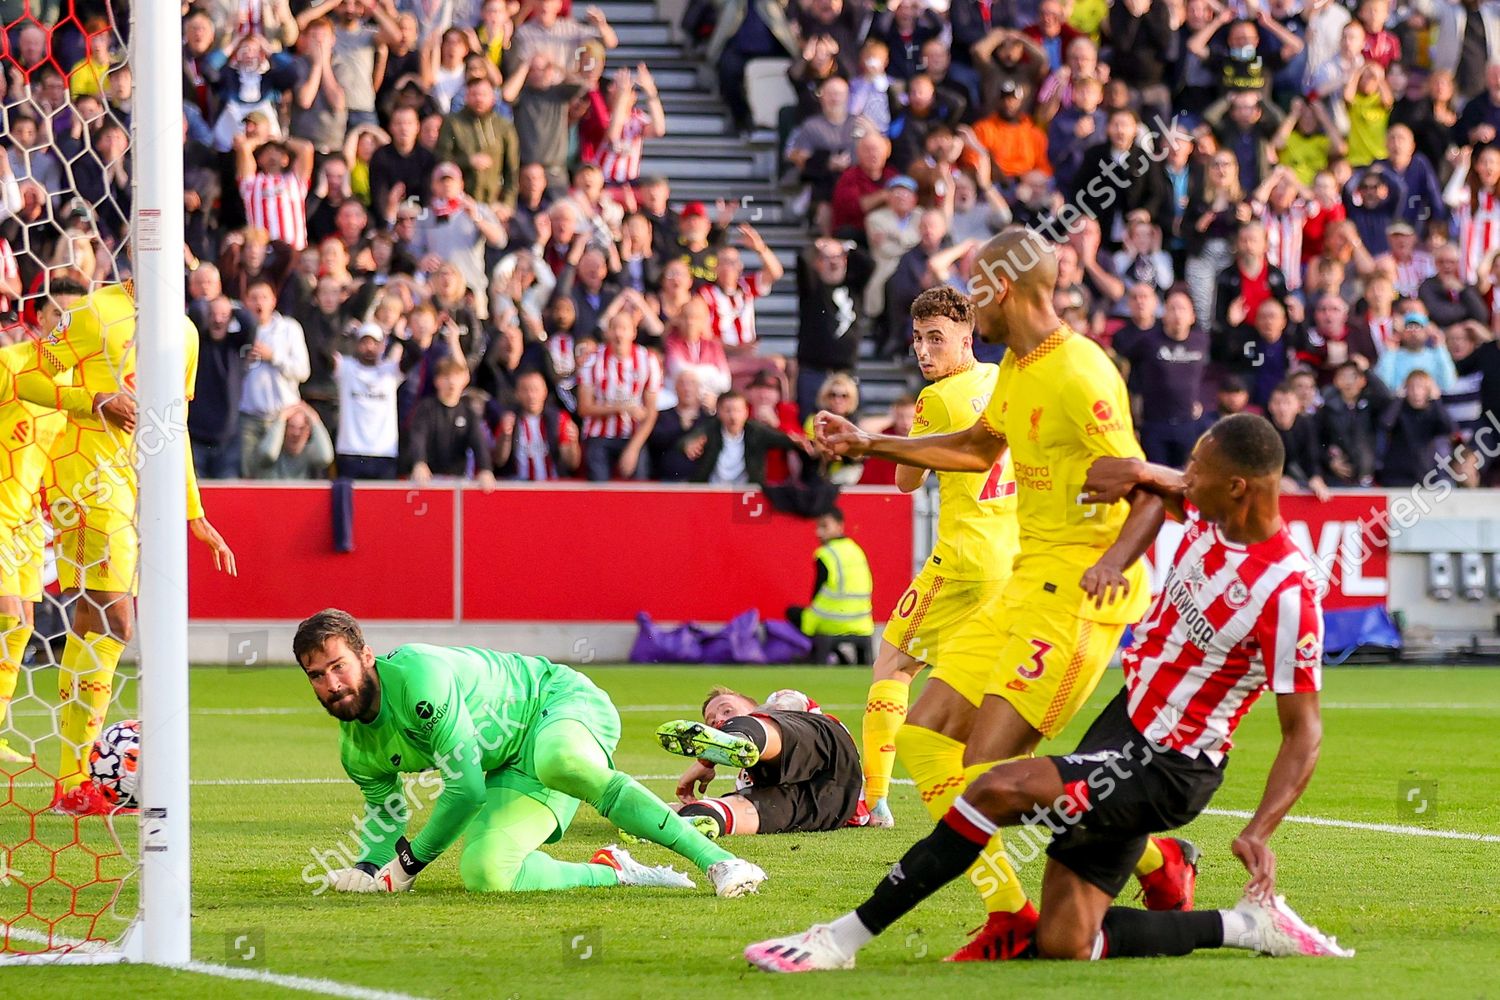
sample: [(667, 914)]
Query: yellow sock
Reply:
[(885, 711), (1151, 859), (936, 765), (10, 661), (84, 685), (992, 874)]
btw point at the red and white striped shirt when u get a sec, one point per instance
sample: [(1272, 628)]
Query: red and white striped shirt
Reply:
[(1284, 241), (618, 378), (532, 455), (1478, 231), (1231, 620), (1410, 274), (277, 203), (620, 162), (732, 314)]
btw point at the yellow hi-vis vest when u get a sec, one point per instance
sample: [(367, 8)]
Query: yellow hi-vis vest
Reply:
[(842, 605)]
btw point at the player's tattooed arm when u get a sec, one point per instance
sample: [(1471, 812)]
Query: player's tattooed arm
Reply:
[(1105, 581), (1301, 737), (1112, 479), (974, 449)]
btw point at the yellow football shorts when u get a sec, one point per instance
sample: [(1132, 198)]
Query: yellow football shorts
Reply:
[(1049, 664), (21, 559), (97, 551), (954, 626)]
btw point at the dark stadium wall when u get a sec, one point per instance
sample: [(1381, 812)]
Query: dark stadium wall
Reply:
[(525, 554)]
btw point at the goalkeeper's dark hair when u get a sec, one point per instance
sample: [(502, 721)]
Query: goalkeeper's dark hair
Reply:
[(330, 623), (943, 301), (1250, 445), (65, 286)]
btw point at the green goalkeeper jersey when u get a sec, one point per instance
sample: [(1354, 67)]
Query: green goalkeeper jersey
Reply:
[(453, 713)]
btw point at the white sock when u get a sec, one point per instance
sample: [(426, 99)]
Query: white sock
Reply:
[(850, 933), (1239, 930)]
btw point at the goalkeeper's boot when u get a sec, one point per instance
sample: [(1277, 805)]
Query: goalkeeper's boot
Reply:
[(1277, 930), (694, 739), (814, 950), (1171, 886), (880, 814), (86, 799), (632, 872), (9, 756), (1003, 937), (735, 877)]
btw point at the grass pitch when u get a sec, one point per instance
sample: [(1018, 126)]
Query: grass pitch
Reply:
[(1422, 910)]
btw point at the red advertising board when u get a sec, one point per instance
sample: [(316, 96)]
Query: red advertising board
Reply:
[(1345, 538)]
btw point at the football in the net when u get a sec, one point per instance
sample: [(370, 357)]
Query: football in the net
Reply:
[(114, 762)]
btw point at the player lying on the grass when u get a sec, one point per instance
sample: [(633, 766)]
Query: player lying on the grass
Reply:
[(518, 740), (1008, 676), (799, 768), (1239, 612)]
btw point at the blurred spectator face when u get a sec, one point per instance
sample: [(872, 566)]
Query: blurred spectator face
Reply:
[(919, 93), (448, 284), (550, 11), (1441, 86), (564, 223), (24, 131), (871, 152), (731, 267), (335, 176), (653, 196), (261, 302), (1305, 385), (411, 32), (1487, 161), (447, 183), (733, 414), (874, 57), (479, 95), (839, 396), (1446, 262), (763, 401), (1143, 304), (1400, 144), (335, 255), (560, 316), (250, 55), (1233, 399), (422, 325), (620, 334), (449, 385), (1349, 382), (1420, 389), (1067, 266), (1121, 130), (1251, 242), (637, 230), (1082, 58), (1010, 104), (205, 283), (1243, 39), (592, 270), (1199, 13), (1351, 41), (367, 350), (32, 44), (903, 415), (354, 10), (298, 431), (532, 181), (272, 158), (1283, 408), (675, 278), (694, 229), (1270, 321), (1379, 291), (832, 266), (328, 296), (1372, 189), (454, 47), (220, 312), (902, 200), (309, 261), (1087, 94), (935, 59), (89, 108), (531, 393), (1050, 18), (431, 126), (833, 99), (1413, 336), (693, 323), (1329, 316), (404, 126), (1177, 316), (932, 229), (687, 387), (1460, 341), (826, 11), (590, 184), (965, 197), (1244, 109)]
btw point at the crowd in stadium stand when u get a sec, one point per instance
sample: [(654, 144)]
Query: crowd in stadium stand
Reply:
[(423, 241)]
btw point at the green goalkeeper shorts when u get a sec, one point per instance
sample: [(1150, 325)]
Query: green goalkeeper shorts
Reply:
[(569, 695)]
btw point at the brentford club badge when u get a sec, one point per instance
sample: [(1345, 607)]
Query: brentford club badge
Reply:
[(1238, 595)]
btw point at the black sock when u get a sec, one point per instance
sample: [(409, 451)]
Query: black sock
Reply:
[(932, 863), (704, 809), (1139, 933), (747, 725)]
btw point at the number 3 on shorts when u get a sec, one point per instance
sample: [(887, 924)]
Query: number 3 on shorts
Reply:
[(1039, 650)]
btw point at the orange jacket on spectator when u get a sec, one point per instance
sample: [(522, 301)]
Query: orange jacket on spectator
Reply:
[(1016, 147)]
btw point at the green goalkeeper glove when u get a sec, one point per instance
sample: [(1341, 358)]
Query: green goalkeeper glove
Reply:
[(401, 871)]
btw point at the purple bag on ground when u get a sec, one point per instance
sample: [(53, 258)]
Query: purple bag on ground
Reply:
[(654, 644), (737, 642), (785, 643)]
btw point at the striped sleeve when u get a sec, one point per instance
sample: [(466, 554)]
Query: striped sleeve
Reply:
[(1290, 636)]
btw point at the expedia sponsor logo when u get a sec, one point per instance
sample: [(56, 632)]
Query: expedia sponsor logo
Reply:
[(1105, 421), (430, 715)]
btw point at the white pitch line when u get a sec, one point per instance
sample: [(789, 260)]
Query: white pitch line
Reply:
[(306, 984), (1349, 824)]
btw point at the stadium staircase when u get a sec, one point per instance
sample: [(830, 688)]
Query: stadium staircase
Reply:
[(706, 160)]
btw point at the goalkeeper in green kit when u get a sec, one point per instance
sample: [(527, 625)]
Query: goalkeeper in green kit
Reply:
[(518, 741)]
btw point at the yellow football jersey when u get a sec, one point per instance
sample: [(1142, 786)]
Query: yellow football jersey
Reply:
[(1060, 408), (27, 435), (976, 536), (94, 460)]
